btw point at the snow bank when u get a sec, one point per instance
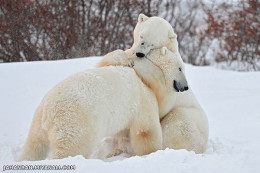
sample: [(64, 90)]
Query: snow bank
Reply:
[(230, 99)]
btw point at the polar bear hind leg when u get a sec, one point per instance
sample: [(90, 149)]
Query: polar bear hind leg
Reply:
[(36, 146), (74, 138)]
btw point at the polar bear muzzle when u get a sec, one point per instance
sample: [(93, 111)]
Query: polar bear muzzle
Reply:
[(179, 86)]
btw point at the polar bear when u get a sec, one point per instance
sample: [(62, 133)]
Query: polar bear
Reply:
[(184, 123), (77, 113), (149, 33)]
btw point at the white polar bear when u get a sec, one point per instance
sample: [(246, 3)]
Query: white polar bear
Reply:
[(149, 33), (184, 123), (81, 110)]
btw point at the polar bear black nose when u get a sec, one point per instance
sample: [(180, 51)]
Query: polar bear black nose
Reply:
[(139, 54), (178, 86), (186, 88)]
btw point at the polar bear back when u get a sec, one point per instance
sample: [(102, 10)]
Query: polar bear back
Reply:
[(111, 95)]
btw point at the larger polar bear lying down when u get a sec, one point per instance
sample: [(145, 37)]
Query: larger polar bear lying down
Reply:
[(81, 110), (149, 33), (184, 123)]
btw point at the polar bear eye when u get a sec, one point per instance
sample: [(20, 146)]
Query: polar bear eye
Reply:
[(180, 69), (142, 43)]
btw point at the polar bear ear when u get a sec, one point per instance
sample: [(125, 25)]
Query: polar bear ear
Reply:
[(142, 17), (163, 50), (172, 35), (172, 42)]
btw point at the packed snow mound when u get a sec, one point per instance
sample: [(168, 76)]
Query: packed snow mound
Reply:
[(230, 99)]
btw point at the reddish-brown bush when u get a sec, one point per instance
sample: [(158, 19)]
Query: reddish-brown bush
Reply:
[(46, 30), (43, 30), (238, 32)]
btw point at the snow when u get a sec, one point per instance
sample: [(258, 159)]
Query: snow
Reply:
[(230, 99)]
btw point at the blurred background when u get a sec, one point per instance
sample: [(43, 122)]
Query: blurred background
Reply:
[(220, 33)]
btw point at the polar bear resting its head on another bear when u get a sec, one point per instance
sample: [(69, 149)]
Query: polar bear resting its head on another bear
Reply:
[(181, 126), (183, 121), (81, 110), (149, 33)]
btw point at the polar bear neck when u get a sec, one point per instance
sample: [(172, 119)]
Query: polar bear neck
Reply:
[(165, 64)]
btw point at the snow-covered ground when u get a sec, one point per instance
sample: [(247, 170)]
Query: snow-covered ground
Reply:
[(230, 99)]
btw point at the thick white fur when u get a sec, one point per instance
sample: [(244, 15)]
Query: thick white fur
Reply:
[(184, 123), (77, 113), (149, 33)]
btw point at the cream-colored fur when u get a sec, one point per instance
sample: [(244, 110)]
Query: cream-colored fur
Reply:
[(149, 33), (77, 113), (184, 123)]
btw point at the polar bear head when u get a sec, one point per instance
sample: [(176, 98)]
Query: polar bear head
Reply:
[(151, 33), (162, 70)]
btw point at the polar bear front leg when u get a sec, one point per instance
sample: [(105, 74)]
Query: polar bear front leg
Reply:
[(146, 137), (116, 58), (185, 128)]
